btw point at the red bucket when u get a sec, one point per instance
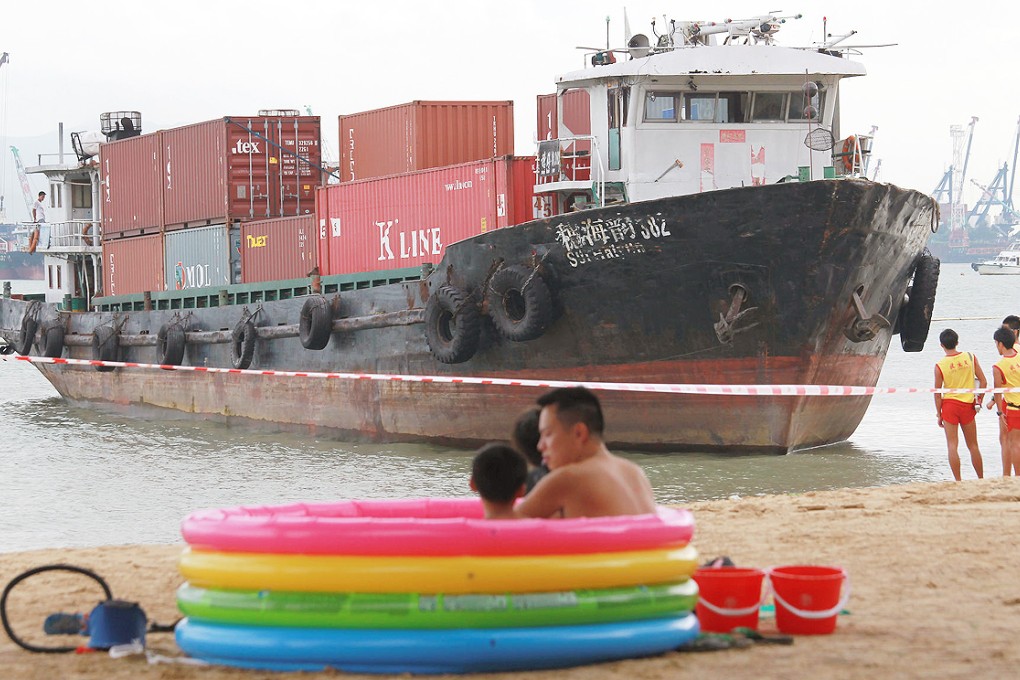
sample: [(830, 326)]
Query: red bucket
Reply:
[(728, 598), (808, 598)]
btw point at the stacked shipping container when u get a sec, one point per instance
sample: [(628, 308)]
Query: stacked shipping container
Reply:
[(196, 182), (408, 220), (275, 250), (423, 134)]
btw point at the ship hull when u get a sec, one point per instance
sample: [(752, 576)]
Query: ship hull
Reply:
[(745, 286)]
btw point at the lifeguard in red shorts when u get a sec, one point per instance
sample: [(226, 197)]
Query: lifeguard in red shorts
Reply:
[(956, 410), (1007, 374)]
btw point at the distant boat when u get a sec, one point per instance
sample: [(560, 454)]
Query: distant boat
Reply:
[(16, 264), (1006, 262)]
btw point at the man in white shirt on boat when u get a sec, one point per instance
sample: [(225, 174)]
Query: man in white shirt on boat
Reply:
[(584, 479), (39, 209)]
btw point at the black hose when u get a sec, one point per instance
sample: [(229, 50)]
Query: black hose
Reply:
[(31, 572)]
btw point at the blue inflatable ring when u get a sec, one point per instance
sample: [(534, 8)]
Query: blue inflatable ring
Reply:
[(431, 651)]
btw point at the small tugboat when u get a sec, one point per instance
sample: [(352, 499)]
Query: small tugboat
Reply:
[(694, 216)]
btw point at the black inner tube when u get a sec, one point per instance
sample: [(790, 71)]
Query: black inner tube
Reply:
[(32, 572)]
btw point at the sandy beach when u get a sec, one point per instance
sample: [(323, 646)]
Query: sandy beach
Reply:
[(932, 565)]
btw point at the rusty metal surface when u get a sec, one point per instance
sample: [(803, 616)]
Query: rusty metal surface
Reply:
[(133, 265), (279, 249)]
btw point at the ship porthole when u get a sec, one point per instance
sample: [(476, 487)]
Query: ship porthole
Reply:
[(519, 303), (452, 326)]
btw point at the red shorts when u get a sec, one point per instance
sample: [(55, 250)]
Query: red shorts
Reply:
[(956, 412), (1012, 419)]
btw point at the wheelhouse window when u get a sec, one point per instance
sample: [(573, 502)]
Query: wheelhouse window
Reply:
[(769, 106), (715, 107), (662, 106), (799, 107)]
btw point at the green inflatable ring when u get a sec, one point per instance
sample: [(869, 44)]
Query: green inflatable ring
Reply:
[(415, 611)]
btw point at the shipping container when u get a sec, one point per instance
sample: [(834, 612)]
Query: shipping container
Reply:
[(423, 134), (279, 249), (237, 168), (133, 265), (130, 196), (203, 257), (408, 220)]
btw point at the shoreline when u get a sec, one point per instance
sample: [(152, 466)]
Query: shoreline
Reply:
[(930, 566)]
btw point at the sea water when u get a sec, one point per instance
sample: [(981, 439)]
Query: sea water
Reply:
[(79, 477)]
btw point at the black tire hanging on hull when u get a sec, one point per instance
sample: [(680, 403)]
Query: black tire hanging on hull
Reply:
[(316, 324), (52, 339), (171, 342), (452, 326), (105, 347), (28, 328), (520, 303), (915, 316), (242, 347)]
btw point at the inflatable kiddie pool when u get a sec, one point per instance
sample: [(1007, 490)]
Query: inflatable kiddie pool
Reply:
[(430, 586)]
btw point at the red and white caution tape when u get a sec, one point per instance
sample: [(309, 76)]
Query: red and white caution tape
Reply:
[(668, 388)]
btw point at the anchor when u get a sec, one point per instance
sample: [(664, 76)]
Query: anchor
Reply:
[(864, 327), (726, 328)]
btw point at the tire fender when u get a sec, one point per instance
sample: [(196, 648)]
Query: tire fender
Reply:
[(29, 326), (520, 304), (452, 325), (52, 339), (105, 347), (316, 324), (171, 342), (914, 318), (242, 346)]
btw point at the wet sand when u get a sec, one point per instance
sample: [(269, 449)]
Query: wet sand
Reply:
[(933, 567)]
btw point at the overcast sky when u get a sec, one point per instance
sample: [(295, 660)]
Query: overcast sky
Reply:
[(186, 61)]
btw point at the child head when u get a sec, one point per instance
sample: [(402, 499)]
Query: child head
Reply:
[(1012, 322), (949, 339), (1005, 337), (525, 436), (498, 473)]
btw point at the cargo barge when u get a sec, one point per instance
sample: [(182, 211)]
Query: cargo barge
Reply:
[(651, 240)]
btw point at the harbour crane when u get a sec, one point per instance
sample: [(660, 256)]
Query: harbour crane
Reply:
[(998, 193)]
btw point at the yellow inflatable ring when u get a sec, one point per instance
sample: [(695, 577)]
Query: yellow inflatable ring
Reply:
[(450, 575)]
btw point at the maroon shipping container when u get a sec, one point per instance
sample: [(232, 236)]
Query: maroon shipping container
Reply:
[(423, 134), (133, 265), (131, 195), (274, 250), (230, 169), (407, 220)]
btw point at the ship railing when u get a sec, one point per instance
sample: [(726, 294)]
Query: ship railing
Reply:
[(850, 156), (571, 163), (71, 236)]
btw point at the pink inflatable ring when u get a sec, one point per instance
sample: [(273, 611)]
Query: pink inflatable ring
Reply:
[(425, 527)]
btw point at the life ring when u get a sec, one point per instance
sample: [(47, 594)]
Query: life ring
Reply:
[(851, 156), (459, 575), (105, 346), (242, 346), (520, 304), (452, 325), (171, 342), (29, 325), (424, 527), (435, 611), (316, 324), (914, 317), (33, 240), (432, 651), (52, 339)]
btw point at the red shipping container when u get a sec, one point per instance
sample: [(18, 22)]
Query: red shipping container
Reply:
[(408, 220), (241, 168), (131, 199), (423, 134), (274, 250), (133, 265), (229, 169)]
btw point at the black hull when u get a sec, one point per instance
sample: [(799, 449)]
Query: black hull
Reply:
[(638, 292)]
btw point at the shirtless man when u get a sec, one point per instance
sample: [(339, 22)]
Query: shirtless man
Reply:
[(584, 479)]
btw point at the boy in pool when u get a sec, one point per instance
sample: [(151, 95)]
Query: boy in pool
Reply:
[(955, 410), (498, 474), (525, 439), (585, 479)]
